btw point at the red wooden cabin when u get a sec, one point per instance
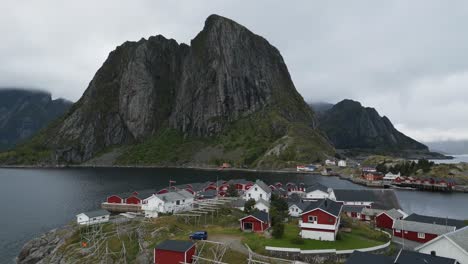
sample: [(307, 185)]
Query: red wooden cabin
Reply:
[(174, 252)]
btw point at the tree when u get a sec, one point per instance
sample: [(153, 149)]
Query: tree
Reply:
[(278, 230), (249, 206), (382, 168), (232, 191)]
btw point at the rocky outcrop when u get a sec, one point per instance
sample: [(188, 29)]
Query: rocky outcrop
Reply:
[(349, 125), (24, 112), (226, 74)]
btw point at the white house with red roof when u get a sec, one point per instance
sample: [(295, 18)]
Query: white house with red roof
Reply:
[(321, 220)]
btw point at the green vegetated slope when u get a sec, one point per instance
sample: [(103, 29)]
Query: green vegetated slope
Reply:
[(264, 139)]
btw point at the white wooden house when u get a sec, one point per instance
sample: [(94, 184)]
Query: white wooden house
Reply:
[(262, 205), (317, 191), (171, 202), (342, 163), (93, 217), (258, 191)]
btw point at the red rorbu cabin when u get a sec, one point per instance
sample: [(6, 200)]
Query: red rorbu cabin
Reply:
[(174, 252), (258, 221), (387, 218), (114, 199)]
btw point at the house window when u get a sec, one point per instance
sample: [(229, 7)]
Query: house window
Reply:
[(261, 195), (256, 189), (397, 230), (178, 202), (296, 210), (421, 235), (312, 218), (250, 195)]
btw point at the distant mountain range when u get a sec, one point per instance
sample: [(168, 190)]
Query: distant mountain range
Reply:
[(454, 147), (228, 97), (23, 112), (361, 130)]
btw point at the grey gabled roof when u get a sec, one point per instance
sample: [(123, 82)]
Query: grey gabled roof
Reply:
[(263, 216), (460, 237), (412, 257), (263, 186), (371, 211), (96, 213), (354, 195), (435, 220), (300, 204), (393, 213), (175, 245), (359, 257), (174, 196), (316, 186), (326, 205), (421, 227), (353, 208), (263, 201)]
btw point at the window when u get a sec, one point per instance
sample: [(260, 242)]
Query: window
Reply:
[(256, 189), (296, 210), (250, 195), (261, 195), (421, 235), (397, 230), (312, 218)]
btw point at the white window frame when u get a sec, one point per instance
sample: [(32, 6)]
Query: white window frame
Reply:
[(397, 230), (421, 235), (313, 217)]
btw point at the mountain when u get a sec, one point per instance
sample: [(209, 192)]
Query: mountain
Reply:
[(455, 147), (24, 112), (320, 107), (351, 126), (228, 97)]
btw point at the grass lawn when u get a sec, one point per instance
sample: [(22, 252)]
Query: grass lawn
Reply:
[(361, 236)]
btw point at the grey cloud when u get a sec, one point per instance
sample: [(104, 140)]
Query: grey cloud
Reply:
[(409, 59)]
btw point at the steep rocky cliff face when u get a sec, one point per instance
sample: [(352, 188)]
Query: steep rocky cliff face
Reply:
[(228, 77), (24, 112), (349, 125)]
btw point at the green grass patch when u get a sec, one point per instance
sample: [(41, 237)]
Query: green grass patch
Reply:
[(360, 237)]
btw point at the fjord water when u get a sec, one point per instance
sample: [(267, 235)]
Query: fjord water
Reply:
[(37, 200)]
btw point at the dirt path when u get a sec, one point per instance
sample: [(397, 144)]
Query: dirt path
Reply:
[(234, 242)]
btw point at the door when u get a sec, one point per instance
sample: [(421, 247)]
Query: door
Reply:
[(248, 226)]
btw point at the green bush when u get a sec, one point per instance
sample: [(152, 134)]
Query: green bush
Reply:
[(278, 230), (298, 241)]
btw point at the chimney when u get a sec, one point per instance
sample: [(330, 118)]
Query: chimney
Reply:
[(433, 253)]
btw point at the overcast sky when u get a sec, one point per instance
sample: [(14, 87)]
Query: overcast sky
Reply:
[(408, 59)]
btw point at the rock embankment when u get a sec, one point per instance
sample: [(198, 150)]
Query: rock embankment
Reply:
[(39, 249)]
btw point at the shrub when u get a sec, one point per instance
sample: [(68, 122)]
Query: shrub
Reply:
[(297, 241), (278, 230)]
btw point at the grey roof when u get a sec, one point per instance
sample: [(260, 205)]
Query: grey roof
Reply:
[(353, 208), (208, 193), (326, 205), (412, 257), (316, 186), (238, 203), (300, 204), (263, 186), (175, 245), (263, 201), (393, 213), (460, 237), (371, 211), (280, 191), (421, 227), (263, 216), (96, 213), (174, 196), (354, 195), (381, 199), (435, 220), (359, 257)]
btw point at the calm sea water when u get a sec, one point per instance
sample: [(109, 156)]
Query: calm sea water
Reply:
[(456, 159), (37, 200)]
